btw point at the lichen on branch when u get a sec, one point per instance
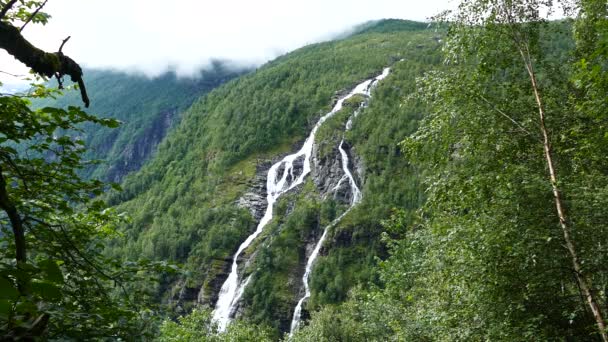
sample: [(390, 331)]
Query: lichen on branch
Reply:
[(48, 64)]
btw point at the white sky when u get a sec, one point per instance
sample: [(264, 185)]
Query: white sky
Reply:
[(151, 35)]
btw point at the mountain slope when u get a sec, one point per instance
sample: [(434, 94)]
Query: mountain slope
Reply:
[(201, 195), (147, 108)]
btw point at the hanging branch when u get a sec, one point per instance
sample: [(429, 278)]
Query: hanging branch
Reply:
[(44, 63)]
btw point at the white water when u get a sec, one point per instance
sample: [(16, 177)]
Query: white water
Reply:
[(276, 185), (356, 198)]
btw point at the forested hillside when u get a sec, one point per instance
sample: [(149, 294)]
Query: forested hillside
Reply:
[(404, 182), (508, 244), (146, 107), (187, 202)]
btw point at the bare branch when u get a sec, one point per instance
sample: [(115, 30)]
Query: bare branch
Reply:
[(8, 73), (63, 43), (520, 126)]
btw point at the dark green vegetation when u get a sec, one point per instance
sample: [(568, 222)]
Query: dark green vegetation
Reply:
[(183, 201), (484, 185), (55, 282), (147, 108), (489, 255)]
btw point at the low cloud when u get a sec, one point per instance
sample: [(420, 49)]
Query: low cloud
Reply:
[(153, 36)]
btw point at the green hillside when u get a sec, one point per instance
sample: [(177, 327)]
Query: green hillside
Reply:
[(183, 201), (147, 108)]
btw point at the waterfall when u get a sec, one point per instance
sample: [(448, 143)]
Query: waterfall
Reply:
[(356, 198), (280, 179)]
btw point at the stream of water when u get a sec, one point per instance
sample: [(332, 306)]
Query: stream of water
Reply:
[(356, 198), (281, 179)]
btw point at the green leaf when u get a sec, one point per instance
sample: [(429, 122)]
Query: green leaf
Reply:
[(46, 290), (7, 289), (5, 308), (51, 270)]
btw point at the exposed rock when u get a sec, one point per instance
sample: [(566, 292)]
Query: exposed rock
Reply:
[(328, 176), (209, 292), (298, 168), (182, 297), (255, 198), (359, 170), (327, 172), (137, 152)]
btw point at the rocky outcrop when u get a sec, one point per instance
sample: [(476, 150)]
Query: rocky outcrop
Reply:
[(254, 199), (135, 153), (358, 168), (328, 176), (209, 292)]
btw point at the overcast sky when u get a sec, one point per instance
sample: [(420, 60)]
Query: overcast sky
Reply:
[(152, 35)]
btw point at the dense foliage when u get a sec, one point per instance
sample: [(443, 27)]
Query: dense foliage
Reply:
[(183, 201), (198, 326), (55, 282), (487, 257)]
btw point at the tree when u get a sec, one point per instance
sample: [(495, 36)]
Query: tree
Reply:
[(491, 163), (54, 278), (43, 63), (199, 326)]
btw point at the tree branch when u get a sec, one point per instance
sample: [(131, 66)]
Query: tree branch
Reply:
[(16, 222), (43, 63), (63, 43), (6, 8), (33, 15)]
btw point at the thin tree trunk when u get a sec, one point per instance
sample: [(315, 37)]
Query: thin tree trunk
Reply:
[(583, 283), (16, 222)]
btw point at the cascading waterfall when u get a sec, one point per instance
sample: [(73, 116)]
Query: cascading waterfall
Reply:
[(280, 179), (356, 198)]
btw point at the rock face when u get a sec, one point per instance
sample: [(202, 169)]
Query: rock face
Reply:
[(254, 199), (181, 297), (208, 294), (358, 168), (134, 154), (328, 176)]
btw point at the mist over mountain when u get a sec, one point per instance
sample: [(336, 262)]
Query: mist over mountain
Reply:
[(147, 107)]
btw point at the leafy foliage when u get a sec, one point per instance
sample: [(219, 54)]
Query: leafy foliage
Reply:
[(55, 282), (199, 326), (484, 259)]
